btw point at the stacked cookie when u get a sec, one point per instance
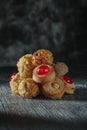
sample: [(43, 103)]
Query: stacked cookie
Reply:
[(38, 74)]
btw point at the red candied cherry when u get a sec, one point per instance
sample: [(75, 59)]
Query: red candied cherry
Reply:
[(67, 79), (12, 75), (43, 69)]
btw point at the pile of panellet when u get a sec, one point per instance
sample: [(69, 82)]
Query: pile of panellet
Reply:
[(38, 74)]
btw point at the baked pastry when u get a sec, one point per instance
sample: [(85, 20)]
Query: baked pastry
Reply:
[(37, 73), (61, 68), (42, 56), (70, 86), (25, 66), (43, 73), (14, 83), (54, 89), (28, 88)]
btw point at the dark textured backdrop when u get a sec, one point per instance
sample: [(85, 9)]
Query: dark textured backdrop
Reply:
[(58, 25)]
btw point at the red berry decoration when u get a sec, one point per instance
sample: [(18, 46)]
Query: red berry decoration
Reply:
[(12, 75), (67, 79), (43, 70)]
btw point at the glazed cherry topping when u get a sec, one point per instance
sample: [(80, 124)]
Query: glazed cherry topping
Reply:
[(12, 75), (43, 69), (67, 79)]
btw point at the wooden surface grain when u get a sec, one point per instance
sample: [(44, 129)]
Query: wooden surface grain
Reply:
[(41, 113)]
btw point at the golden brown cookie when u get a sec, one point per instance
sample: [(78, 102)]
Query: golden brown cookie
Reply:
[(14, 83), (25, 66), (28, 88), (54, 89), (61, 68), (43, 73), (42, 56)]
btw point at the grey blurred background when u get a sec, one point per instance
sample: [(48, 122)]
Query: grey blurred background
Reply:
[(57, 25)]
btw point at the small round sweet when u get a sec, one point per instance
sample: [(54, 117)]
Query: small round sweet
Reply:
[(61, 68), (28, 88), (14, 83), (42, 56), (70, 86), (54, 89), (25, 66), (43, 73)]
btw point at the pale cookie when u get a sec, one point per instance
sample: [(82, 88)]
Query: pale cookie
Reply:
[(70, 88), (54, 89), (61, 68), (43, 73)]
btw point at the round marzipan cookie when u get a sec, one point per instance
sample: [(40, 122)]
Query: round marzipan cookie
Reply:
[(25, 66), (14, 83), (42, 56), (54, 89), (61, 68), (46, 73), (28, 88)]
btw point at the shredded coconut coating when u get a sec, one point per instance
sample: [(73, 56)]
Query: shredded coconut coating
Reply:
[(14, 83), (54, 89), (25, 66), (28, 88), (42, 56)]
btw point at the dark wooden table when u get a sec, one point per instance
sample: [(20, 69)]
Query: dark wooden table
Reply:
[(69, 113)]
